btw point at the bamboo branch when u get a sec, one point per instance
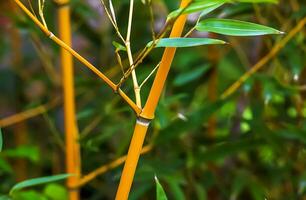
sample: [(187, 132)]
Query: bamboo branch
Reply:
[(130, 56), (274, 51), (105, 168), (19, 117), (62, 44)]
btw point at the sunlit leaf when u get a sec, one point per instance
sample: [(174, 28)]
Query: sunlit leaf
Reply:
[(118, 46), (234, 27), (29, 152), (160, 192), (204, 6)]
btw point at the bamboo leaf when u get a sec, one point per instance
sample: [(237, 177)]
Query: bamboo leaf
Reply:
[(234, 27), (118, 46), (160, 193), (205, 6), (38, 181), (191, 75), (185, 42)]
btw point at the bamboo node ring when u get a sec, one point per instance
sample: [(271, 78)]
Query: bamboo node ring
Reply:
[(143, 121), (51, 35)]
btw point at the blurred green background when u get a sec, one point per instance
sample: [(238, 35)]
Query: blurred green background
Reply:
[(251, 145)]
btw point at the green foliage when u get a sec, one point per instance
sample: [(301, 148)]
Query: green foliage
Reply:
[(37, 181), (160, 193), (250, 145), (234, 27), (29, 152), (185, 42), (55, 192)]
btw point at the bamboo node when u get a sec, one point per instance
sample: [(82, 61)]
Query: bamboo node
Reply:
[(143, 121), (51, 35)]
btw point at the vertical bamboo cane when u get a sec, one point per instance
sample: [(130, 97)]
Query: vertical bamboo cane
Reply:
[(147, 114), (73, 163)]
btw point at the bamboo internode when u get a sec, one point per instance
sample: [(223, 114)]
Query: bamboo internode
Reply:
[(73, 160)]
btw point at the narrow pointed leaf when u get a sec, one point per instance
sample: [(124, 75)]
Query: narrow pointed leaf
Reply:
[(205, 6), (234, 27), (160, 193), (38, 181), (186, 42)]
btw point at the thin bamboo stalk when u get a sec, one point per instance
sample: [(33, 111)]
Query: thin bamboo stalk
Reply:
[(142, 123), (73, 158)]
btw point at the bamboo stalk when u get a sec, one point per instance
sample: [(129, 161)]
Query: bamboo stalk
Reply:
[(73, 158), (130, 165), (147, 114), (164, 68)]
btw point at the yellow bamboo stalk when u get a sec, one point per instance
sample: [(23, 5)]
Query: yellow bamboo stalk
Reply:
[(73, 158), (147, 114), (164, 68), (130, 165)]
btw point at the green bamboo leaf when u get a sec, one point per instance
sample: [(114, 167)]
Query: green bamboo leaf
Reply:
[(191, 75), (234, 27), (160, 192), (38, 181), (185, 42), (205, 6), (118, 46), (1, 140)]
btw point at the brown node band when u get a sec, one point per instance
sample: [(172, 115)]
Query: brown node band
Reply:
[(61, 3)]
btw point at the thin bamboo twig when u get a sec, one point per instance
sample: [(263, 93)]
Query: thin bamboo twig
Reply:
[(149, 76), (41, 6), (130, 56), (274, 51), (113, 21), (62, 44), (22, 116), (143, 121), (73, 156), (145, 52), (109, 166)]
